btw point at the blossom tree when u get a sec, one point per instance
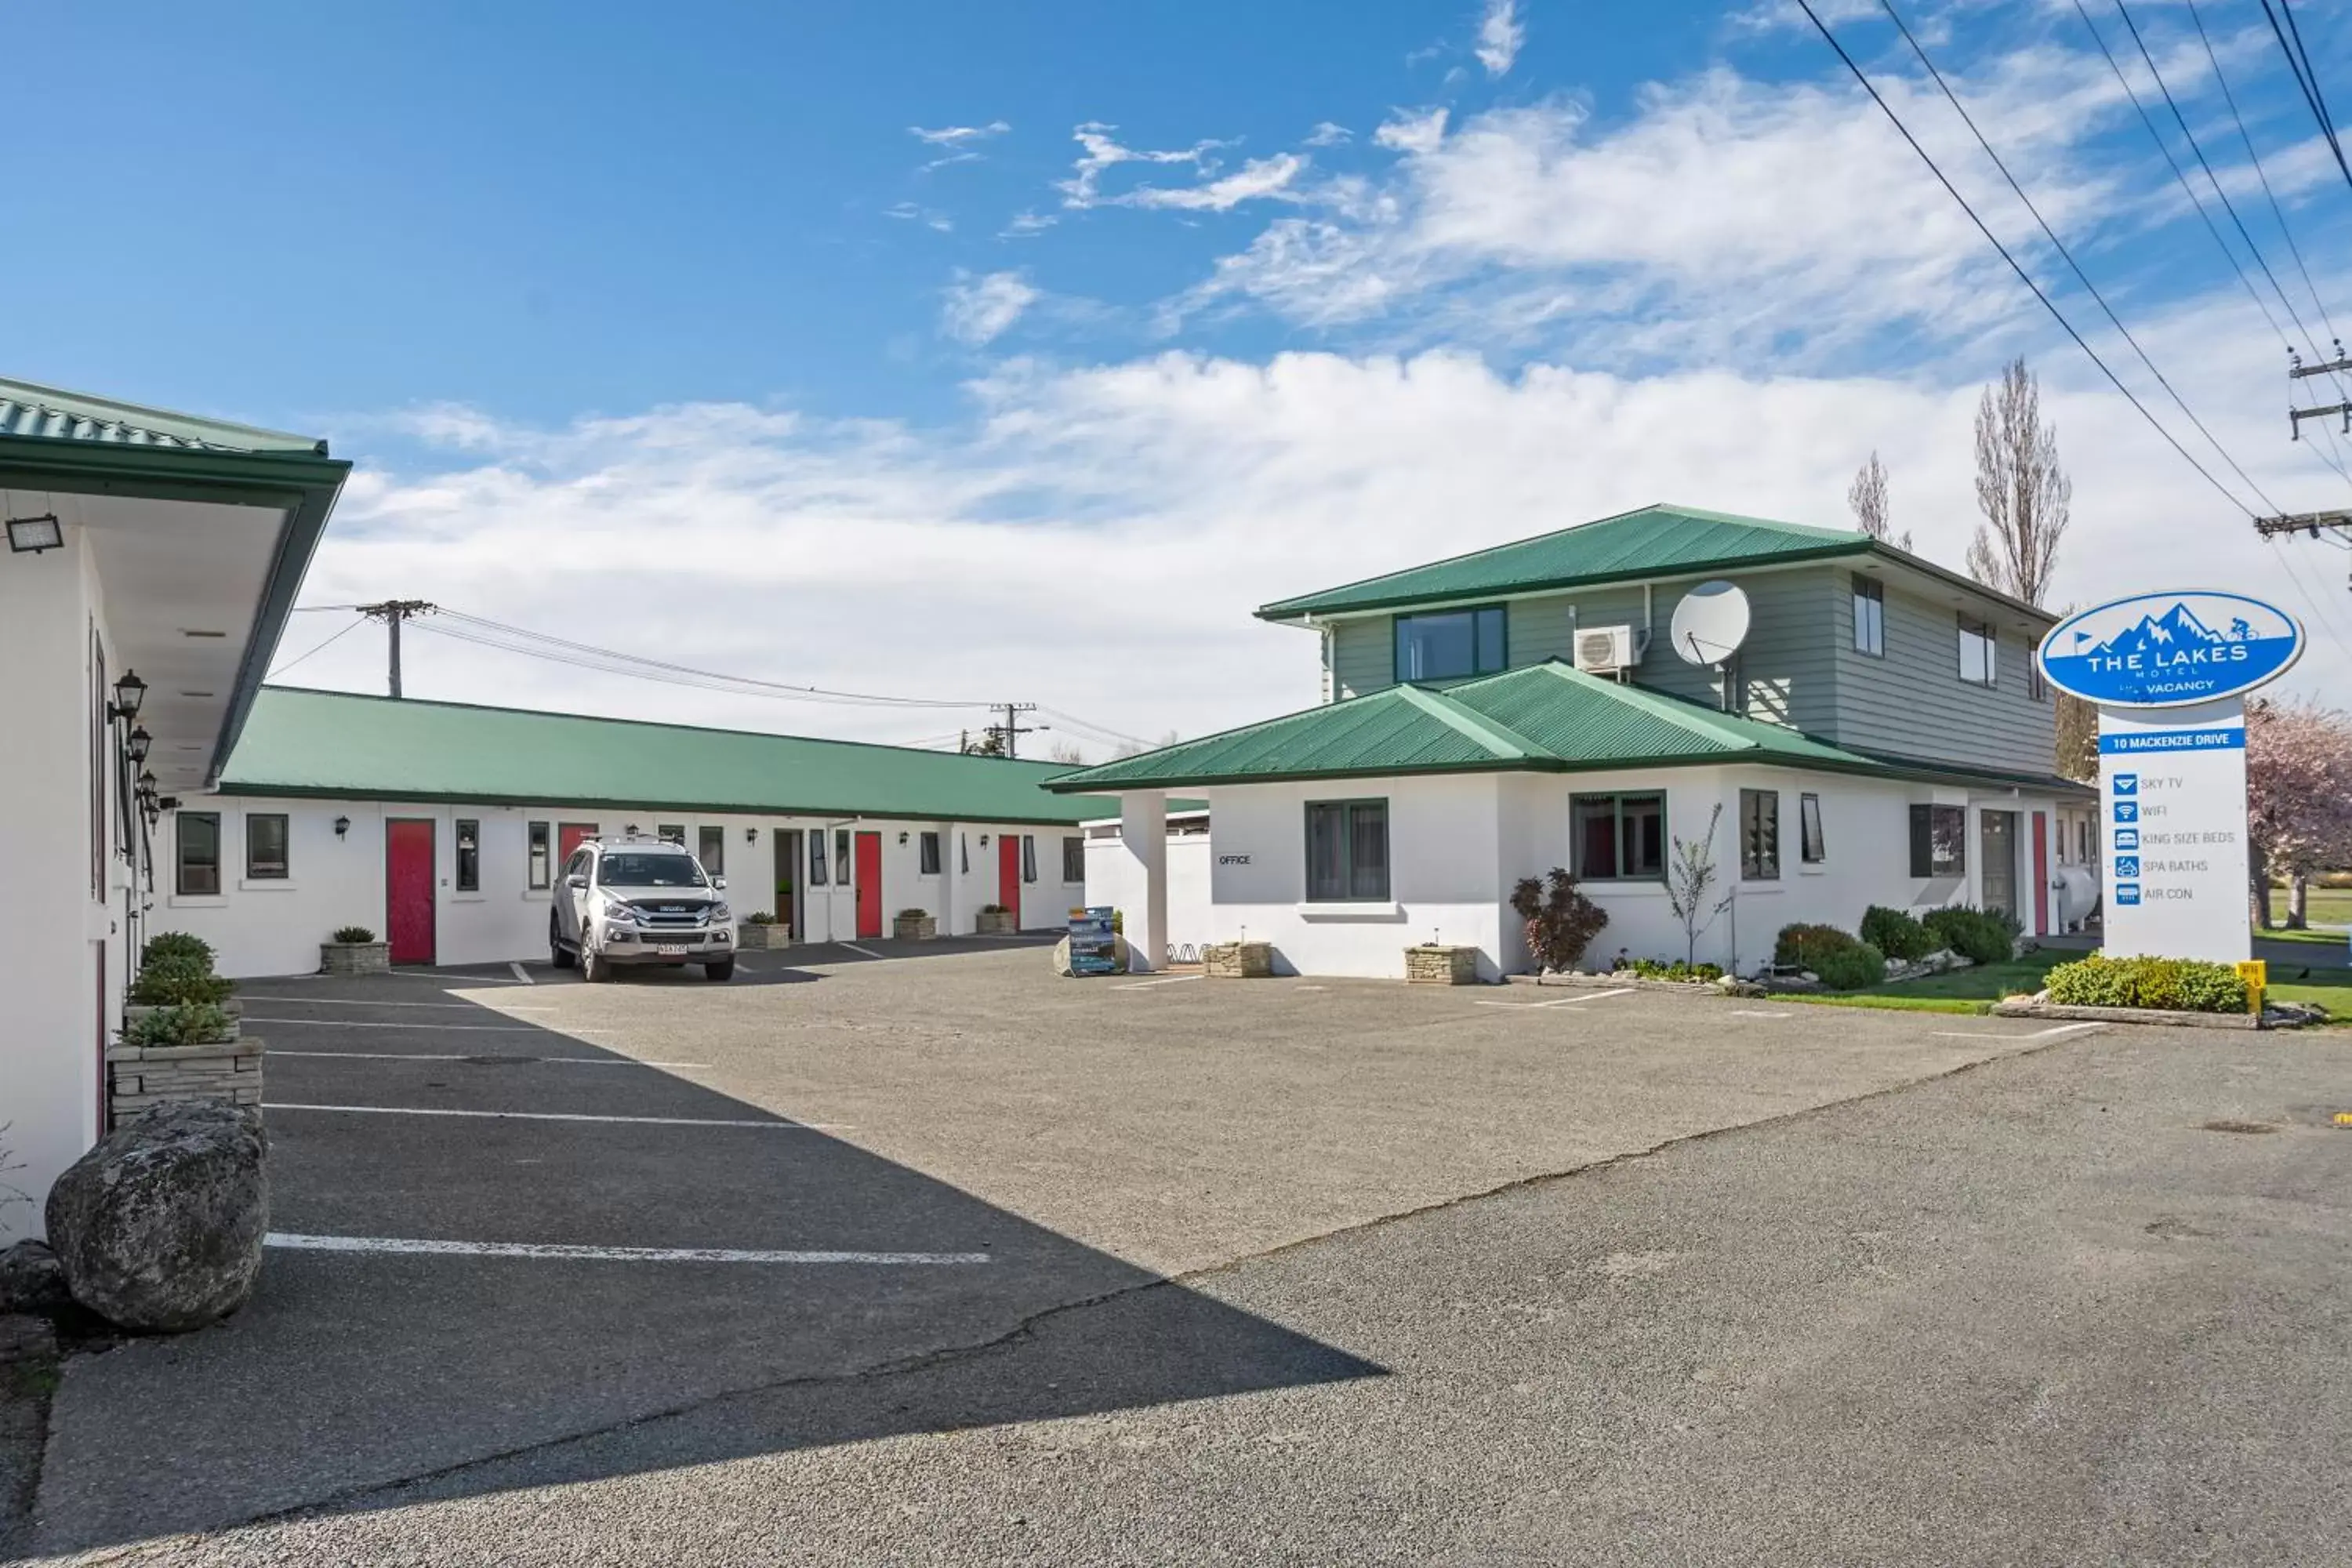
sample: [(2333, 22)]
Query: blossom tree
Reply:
[(2298, 799)]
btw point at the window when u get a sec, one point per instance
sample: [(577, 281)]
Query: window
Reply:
[(841, 857), (711, 850), (816, 859), (2083, 841), (101, 731), (2036, 688), (671, 832), (1074, 859), (1811, 843), (535, 862), (1870, 616), (469, 855), (199, 853), (1618, 838), (265, 846), (1976, 652), (1028, 857), (963, 854), (1441, 646), (1760, 835), (1940, 840), (1347, 851), (930, 852)]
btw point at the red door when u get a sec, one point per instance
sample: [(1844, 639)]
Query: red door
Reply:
[(570, 836), (1008, 873), (2042, 873), (869, 884), (408, 889)]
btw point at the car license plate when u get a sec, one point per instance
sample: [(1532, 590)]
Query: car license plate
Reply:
[(670, 950)]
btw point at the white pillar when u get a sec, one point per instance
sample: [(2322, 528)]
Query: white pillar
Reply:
[(955, 851), (1143, 844)]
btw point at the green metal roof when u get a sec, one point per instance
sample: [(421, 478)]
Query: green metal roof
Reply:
[(304, 743), (1655, 541), (1545, 717), (50, 413)]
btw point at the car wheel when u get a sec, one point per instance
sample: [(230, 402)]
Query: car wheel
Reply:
[(723, 969), (593, 967), (557, 954)]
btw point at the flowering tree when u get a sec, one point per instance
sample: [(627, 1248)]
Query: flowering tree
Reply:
[(2298, 798), (1690, 875)]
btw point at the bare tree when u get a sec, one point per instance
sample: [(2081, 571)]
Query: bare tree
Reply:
[(1867, 497), (1690, 877), (2078, 737), (2021, 491), (1069, 752)]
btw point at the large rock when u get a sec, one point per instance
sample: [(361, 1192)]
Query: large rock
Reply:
[(30, 1281), (1125, 955), (160, 1226)]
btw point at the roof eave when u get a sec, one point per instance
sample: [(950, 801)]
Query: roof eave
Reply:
[(261, 789)]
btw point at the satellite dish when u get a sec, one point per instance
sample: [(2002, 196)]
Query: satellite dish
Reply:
[(1710, 623)]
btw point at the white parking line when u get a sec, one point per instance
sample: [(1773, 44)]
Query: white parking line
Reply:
[(1163, 979), (422, 1057), (521, 974), (2050, 1034), (351, 1002), (560, 1116), (1564, 1000), (439, 978), (1749, 1013), (466, 1028), (860, 951), (607, 1254)]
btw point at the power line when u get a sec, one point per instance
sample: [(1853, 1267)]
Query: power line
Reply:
[(319, 647), (2023, 277), (2051, 235), (2298, 60)]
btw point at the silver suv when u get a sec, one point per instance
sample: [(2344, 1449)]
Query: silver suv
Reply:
[(639, 901)]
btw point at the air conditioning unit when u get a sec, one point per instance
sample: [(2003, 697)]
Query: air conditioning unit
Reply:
[(1603, 650)]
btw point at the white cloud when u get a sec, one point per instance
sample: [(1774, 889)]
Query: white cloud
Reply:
[(1500, 34), (1101, 151), (1095, 539), (1327, 133), (908, 212), (959, 135), (1260, 179), (978, 311)]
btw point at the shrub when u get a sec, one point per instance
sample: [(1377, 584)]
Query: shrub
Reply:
[(176, 947), (178, 984), (353, 936), (1663, 968), (995, 910), (759, 917), (1975, 934), (2169, 984), (1798, 946), (1560, 920), (913, 914), (187, 1026), (1895, 933), (1853, 966)]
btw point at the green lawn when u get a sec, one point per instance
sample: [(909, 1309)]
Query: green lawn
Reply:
[(1976, 990), (2319, 937), (2327, 907)]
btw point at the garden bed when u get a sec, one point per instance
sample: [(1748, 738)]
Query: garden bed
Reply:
[(2142, 1015)]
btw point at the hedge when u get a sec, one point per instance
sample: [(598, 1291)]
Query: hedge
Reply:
[(1895, 933), (1839, 962), (2164, 985), (1975, 934)]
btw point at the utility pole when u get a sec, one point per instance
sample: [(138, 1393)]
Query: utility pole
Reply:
[(391, 611), (2297, 371), (1012, 730)]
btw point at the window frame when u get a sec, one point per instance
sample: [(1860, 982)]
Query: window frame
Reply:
[(538, 856), (1870, 591), (1984, 632), (1478, 667), (1922, 820), (1074, 860), (1028, 857), (1616, 799), (705, 838), (1353, 890), (1760, 835), (180, 863), (464, 876), (671, 833), (928, 861), (818, 877), (1813, 837), (255, 870), (2037, 686), (841, 858)]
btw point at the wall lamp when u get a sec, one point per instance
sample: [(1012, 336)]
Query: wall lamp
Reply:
[(31, 535), (129, 693), (750, 835), (983, 841), (137, 744), (343, 825)]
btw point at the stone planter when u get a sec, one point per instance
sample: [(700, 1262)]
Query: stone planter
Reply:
[(1238, 960), (1432, 965), (762, 938), (917, 928), (354, 958), (138, 1078), (1005, 922)]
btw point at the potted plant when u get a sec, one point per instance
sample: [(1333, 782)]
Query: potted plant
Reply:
[(995, 919), (175, 971), (353, 949), (181, 1037), (760, 930), (914, 925)]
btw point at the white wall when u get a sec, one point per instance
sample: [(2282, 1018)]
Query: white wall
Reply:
[(271, 927), (55, 936), (1110, 882)]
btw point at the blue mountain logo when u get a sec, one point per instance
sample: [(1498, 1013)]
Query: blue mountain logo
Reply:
[(2169, 653)]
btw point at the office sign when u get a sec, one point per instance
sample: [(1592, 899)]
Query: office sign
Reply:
[(2170, 650), (1094, 944), (2172, 803)]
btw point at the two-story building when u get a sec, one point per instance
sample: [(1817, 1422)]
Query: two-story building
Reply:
[(1880, 736)]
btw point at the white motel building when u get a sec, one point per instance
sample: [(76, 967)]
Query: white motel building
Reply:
[(1879, 736)]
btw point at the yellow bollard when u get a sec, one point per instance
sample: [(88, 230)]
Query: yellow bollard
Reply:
[(2257, 977)]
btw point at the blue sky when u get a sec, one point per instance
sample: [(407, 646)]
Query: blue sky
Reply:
[(929, 309)]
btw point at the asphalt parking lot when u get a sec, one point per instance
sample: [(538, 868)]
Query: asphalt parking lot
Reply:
[(944, 1260)]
